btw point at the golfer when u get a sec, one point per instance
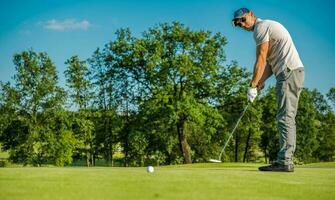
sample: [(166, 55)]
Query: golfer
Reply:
[(276, 54)]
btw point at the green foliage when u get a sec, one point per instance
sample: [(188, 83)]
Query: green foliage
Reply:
[(331, 95), (270, 138), (83, 132), (326, 138), (77, 80), (180, 67), (165, 97), (60, 138), (138, 144), (307, 127), (26, 105)]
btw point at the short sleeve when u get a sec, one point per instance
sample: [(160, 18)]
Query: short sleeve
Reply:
[(261, 35)]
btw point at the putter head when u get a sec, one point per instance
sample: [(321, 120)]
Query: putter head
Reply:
[(214, 161)]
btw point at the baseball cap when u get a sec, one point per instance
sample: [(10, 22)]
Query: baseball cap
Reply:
[(240, 12)]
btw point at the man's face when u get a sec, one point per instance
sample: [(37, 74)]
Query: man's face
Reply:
[(246, 22)]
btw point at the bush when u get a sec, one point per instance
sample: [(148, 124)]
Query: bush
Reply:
[(4, 163)]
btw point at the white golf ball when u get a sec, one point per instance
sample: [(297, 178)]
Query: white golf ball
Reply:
[(150, 169)]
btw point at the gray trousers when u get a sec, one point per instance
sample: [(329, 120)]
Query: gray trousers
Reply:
[(288, 88)]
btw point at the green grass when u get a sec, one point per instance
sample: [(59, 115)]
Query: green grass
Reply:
[(197, 181)]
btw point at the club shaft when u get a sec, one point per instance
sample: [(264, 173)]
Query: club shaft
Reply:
[(231, 134)]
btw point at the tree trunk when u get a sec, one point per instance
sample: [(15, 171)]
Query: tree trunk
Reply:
[(169, 158), (236, 147), (126, 144), (93, 159), (265, 154), (87, 158), (109, 154), (108, 141), (247, 146), (184, 146), (92, 156)]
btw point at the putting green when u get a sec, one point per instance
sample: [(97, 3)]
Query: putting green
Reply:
[(196, 181)]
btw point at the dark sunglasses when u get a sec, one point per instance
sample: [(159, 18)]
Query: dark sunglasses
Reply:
[(237, 22)]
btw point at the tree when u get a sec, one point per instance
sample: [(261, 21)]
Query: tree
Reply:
[(325, 126), (270, 137), (61, 139), (77, 79), (9, 99), (83, 129), (35, 93), (104, 104), (180, 69), (307, 127), (326, 138), (331, 95), (122, 88)]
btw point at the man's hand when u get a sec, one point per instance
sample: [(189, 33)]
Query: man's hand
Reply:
[(252, 94)]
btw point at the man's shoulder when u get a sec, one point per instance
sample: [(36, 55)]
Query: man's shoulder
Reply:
[(261, 26), (267, 24)]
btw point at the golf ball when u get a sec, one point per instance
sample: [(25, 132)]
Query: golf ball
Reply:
[(150, 169)]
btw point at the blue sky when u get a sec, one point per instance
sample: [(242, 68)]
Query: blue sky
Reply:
[(64, 28)]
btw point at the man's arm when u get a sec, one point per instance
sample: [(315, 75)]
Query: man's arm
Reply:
[(260, 71), (267, 73)]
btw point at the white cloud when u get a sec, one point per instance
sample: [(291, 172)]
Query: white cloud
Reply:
[(67, 24)]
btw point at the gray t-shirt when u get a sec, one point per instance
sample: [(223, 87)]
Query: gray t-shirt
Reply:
[(282, 52)]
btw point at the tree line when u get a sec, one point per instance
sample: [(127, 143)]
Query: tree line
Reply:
[(165, 97)]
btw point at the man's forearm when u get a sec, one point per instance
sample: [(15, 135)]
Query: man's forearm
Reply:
[(259, 70)]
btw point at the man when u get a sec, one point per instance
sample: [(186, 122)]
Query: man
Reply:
[(276, 54)]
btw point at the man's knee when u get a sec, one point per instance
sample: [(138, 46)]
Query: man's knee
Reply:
[(285, 119)]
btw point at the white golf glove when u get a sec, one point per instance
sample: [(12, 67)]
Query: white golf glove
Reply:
[(252, 94)]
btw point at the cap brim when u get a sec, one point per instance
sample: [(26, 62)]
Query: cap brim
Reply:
[(239, 17), (233, 20)]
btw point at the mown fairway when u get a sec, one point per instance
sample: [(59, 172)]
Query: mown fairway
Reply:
[(197, 181)]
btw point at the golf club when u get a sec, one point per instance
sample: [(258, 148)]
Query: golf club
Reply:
[(231, 134)]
